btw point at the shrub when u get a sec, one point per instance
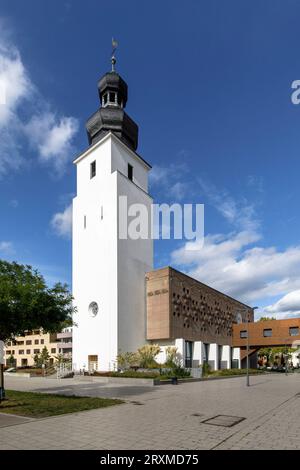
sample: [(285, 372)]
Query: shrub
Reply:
[(147, 354), (206, 369), (128, 360), (172, 358), (179, 371), (129, 374), (230, 372)]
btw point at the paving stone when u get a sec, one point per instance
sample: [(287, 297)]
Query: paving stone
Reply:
[(165, 420)]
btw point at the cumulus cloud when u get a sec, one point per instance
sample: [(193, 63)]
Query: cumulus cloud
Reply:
[(287, 306), (241, 213), (50, 135), (61, 222), (14, 82), (238, 263), (6, 248), (15, 88), (232, 264), (170, 180)]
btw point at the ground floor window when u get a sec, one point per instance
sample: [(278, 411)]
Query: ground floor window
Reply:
[(205, 352), (220, 352), (188, 353)]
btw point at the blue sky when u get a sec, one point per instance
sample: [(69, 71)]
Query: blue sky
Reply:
[(209, 86)]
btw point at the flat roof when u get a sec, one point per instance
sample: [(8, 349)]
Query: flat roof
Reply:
[(196, 280)]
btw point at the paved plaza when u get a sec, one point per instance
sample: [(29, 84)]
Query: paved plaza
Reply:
[(166, 417)]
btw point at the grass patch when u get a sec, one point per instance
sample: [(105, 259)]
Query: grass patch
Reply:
[(129, 374), (41, 405), (132, 374), (231, 372)]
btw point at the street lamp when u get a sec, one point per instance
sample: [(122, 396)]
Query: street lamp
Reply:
[(2, 392), (247, 375)]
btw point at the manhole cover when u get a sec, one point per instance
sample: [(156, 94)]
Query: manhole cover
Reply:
[(224, 420)]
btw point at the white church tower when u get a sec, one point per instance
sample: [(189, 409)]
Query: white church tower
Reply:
[(109, 272)]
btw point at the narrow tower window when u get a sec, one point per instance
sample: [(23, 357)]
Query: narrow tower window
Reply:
[(130, 172), (84, 222), (101, 212), (93, 169)]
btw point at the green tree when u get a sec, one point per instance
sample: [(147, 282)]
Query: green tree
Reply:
[(37, 360), (276, 354), (42, 359), (266, 318), (61, 359), (45, 356), (26, 303), (11, 361)]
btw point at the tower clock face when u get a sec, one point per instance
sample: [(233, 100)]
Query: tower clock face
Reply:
[(239, 318), (93, 309)]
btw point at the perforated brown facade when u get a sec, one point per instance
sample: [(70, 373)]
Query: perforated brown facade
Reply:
[(179, 306)]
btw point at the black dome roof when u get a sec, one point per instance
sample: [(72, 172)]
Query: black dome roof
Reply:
[(111, 117), (112, 81)]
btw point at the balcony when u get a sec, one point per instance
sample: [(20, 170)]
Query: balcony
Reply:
[(63, 345), (64, 335)]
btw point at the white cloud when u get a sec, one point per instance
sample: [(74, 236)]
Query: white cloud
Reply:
[(232, 264), (239, 213), (6, 248), (10, 154), (14, 80), (157, 174), (16, 88), (178, 190), (169, 180), (53, 138), (49, 134), (287, 306), (61, 222)]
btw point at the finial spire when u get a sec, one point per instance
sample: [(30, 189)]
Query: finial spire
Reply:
[(114, 44)]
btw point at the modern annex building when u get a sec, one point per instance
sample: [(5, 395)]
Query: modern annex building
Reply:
[(122, 303)]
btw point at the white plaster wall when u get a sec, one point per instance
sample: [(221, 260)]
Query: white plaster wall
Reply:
[(295, 359), (179, 344), (213, 355), (164, 344), (197, 354), (95, 261), (226, 351), (236, 355), (135, 258), (121, 156), (104, 270)]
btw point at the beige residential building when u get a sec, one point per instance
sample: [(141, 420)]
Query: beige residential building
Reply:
[(24, 348)]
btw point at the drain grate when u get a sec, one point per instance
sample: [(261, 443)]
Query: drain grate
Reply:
[(224, 420)]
